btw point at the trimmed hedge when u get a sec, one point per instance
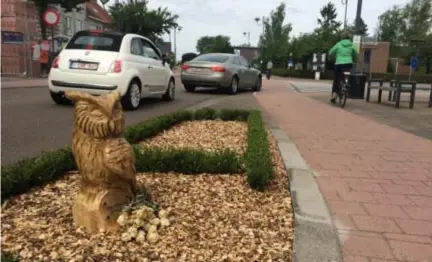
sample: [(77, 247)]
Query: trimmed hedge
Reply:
[(258, 160), (25, 174), (328, 75), (187, 161)]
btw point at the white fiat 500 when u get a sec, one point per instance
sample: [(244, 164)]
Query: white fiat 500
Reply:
[(98, 62)]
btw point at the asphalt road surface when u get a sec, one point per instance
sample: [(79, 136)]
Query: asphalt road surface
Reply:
[(31, 122)]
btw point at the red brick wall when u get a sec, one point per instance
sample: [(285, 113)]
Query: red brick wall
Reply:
[(14, 18), (379, 56)]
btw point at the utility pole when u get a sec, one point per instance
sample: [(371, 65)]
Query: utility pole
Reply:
[(345, 2), (257, 20), (175, 41), (358, 15)]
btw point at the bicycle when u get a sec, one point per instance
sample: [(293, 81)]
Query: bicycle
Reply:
[(343, 89)]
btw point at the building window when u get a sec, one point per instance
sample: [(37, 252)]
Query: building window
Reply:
[(67, 25)]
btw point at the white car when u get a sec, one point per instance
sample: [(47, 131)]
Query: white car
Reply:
[(98, 62)]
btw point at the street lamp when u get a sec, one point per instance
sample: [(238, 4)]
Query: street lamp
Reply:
[(257, 20), (247, 34), (179, 28)]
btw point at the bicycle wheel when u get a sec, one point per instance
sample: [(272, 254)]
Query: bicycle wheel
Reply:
[(343, 96)]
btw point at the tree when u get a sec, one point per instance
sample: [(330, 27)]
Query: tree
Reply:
[(134, 16), (328, 17), (214, 44), (274, 43), (363, 28), (42, 5), (328, 32), (390, 25)]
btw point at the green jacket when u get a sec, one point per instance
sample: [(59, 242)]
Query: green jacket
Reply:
[(344, 51)]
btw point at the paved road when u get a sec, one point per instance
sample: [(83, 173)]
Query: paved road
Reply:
[(31, 122)]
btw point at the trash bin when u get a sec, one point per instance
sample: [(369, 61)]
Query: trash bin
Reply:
[(357, 84)]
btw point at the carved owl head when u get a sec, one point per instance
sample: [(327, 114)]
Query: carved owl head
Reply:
[(98, 116)]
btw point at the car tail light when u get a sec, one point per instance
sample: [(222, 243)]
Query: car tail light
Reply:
[(55, 63), (185, 67), (218, 69), (117, 66)]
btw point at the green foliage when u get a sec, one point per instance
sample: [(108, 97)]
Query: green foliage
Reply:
[(405, 26), (205, 114), (274, 42), (30, 172), (214, 44), (258, 161), (234, 115), (134, 16), (186, 161), (154, 126), (8, 257), (362, 28)]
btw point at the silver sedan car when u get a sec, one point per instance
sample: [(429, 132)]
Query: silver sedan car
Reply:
[(227, 71)]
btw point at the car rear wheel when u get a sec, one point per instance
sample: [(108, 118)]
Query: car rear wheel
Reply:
[(190, 88), (234, 86), (60, 98), (170, 92), (131, 100), (258, 84)]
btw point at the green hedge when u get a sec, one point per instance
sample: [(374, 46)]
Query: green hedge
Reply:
[(328, 75), (25, 174), (258, 160), (187, 161)]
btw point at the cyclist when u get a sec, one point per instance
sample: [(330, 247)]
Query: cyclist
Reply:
[(346, 55)]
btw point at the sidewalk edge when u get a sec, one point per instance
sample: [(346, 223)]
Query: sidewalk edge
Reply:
[(315, 237)]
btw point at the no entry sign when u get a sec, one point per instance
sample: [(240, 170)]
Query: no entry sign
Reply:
[(51, 17)]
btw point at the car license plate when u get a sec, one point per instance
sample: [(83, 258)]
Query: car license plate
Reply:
[(199, 70), (84, 66)]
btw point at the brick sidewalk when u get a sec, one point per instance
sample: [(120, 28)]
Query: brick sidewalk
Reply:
[(377, 180)]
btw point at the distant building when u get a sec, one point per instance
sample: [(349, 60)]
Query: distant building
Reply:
[(97, 17), (250, 53)]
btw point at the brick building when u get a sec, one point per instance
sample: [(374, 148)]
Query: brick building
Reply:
[(18, 16), (375, 56), (248, 52)]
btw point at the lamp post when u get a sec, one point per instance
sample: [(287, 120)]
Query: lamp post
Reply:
[(345, 2), (262, 23), (179, 28), (358, 16), (247, 34)]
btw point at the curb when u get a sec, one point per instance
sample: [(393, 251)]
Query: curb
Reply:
[(315, 237)]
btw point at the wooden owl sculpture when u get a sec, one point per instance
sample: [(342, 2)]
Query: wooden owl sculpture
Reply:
[(105, 160)]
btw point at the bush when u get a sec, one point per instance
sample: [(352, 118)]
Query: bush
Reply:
[(30, 172), (234, 115), (8, 257), (258, 161), (205, 114), (156, 125), (186, 161)]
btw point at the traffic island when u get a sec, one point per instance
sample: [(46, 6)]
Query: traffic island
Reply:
[(211, 185)]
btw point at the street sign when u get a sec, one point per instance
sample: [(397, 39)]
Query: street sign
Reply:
[(414, 62), (9, 37), (51, 17)]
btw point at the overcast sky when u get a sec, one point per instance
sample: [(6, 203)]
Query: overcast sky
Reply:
[(233, 17)]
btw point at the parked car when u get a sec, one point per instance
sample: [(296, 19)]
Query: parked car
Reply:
[(227, 71), (98, 62)]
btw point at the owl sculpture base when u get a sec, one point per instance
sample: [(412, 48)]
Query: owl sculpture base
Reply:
[(105, 160)]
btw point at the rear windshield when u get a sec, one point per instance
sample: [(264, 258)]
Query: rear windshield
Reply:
[(96, 40), (212, 58)]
